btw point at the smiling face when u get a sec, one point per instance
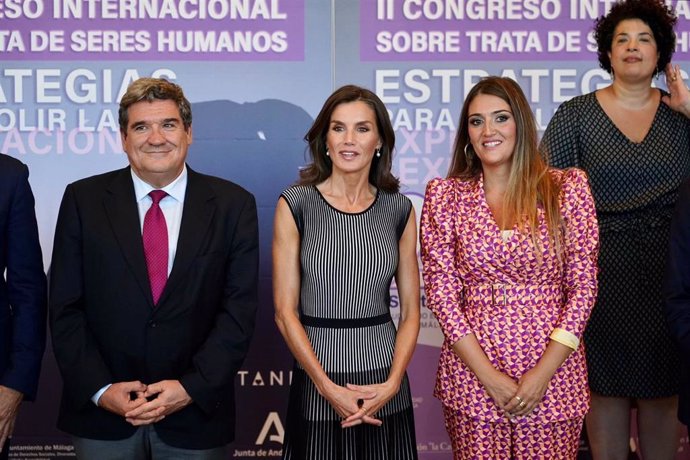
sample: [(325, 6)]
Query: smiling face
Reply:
[(352, 137), (633, 52), (492, 130), (156, 141)]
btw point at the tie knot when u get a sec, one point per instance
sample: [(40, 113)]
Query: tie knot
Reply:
[(157, 195)]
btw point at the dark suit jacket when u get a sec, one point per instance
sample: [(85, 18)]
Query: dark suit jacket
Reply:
[(105, 328), (23, 293), (677, 292)]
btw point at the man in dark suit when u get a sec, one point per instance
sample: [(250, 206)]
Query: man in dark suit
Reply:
[(677, 293), (153, 293), (22, 296)]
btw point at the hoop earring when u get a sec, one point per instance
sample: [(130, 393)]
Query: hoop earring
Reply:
[(469, 154), (378, 152)]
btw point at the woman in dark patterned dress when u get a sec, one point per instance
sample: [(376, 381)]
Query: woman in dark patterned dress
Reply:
[(634, 142), (340, 237)]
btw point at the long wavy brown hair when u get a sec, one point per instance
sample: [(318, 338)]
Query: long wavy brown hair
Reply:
[(529, 184), (320, 168)]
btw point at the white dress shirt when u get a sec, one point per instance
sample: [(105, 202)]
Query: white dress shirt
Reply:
[(172, 206)]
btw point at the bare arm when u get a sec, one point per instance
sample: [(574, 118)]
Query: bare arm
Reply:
[(407, 280), (679, 100), (286, 288)]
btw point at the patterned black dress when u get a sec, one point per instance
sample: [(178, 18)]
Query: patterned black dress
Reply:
[(347, 264), (629, 350)]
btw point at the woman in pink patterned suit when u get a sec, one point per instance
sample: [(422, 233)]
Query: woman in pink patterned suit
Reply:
[(509, 248)]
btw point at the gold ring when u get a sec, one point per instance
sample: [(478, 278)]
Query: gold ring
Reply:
[(522, 404), (674, 78), (519, 399)]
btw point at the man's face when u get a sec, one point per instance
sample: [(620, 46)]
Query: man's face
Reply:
[(156, 142)]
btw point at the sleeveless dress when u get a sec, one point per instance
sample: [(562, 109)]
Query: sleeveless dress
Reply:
[(348, 261), (635, 185)]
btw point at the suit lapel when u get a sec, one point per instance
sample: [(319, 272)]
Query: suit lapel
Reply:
[(197, 215), (121, 208)]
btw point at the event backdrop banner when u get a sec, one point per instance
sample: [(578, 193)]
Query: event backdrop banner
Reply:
[(257, 72)]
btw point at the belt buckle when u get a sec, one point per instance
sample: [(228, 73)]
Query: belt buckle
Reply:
[(499, 295)]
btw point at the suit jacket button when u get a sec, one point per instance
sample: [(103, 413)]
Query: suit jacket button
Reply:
[(152, 324)]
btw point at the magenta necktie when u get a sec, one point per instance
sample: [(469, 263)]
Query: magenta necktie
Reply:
[(156, 245)]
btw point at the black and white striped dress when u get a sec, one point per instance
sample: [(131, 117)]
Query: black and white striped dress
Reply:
[(348, 261)]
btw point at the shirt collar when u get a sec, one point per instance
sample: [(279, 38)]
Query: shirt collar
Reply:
[(175, 189)]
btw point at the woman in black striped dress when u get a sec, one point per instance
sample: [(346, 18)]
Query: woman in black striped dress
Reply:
[(340, 237)]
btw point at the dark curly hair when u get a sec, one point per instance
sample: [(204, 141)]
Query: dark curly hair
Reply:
[(660, 18)]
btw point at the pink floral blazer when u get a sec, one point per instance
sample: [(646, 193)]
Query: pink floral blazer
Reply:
[(479, 283)]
